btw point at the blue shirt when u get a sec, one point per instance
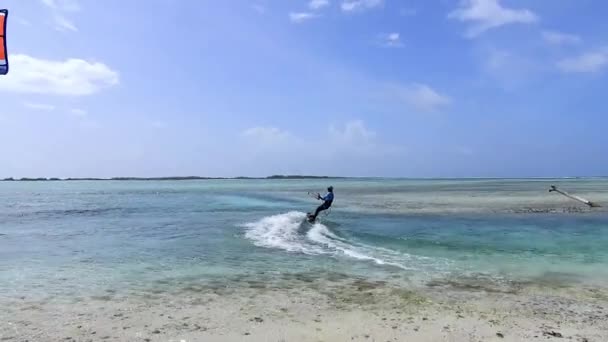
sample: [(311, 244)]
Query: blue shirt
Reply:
[(328, 197)]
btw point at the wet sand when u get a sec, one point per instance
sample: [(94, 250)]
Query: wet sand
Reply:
[(345, 310)]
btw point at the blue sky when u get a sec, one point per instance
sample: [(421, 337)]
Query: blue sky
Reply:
[(473, 88)]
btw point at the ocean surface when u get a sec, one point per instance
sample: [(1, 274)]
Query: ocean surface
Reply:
[(89, 238)]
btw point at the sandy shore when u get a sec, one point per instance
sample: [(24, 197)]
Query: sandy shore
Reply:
[(357, 310)]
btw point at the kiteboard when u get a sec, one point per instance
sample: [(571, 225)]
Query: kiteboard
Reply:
[(310, 217)]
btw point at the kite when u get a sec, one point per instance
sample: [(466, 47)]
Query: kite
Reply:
[(3, 53)]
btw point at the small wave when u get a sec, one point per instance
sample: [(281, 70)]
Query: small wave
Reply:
[(281, 231), (321, 235)]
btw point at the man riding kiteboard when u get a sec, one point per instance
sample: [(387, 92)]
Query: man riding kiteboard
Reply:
[(327, 201)]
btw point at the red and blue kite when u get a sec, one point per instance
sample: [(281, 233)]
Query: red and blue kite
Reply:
[(3, 53)]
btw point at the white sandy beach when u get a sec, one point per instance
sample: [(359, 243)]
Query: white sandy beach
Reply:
[(362, 311)]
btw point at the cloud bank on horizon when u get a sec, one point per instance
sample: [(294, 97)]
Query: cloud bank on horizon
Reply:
[(471, 88)]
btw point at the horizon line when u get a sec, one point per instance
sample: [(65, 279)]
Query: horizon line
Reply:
[(274, 177)]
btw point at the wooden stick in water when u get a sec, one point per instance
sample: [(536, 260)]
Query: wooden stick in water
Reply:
[(576, 198)]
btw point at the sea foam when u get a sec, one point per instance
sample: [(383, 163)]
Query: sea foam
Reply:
[(286, 232)]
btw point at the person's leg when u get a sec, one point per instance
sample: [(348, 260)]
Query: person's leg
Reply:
[(319, 209)]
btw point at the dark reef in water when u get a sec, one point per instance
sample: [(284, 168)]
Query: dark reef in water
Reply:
[(299, 177), (568, 210)]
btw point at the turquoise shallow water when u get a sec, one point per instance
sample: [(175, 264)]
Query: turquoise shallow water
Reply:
[(90, 237)]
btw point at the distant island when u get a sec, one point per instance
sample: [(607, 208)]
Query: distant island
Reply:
[(43, 179)]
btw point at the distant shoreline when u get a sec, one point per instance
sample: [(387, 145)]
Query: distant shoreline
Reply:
[(284, 177), (44, 179)]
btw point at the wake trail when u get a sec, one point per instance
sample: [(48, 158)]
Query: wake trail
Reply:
[(285, 231)]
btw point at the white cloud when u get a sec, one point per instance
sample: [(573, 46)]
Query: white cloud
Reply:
[(420, 96), (558, 38), (355, 140), (79, 112), (489, 14), (72, 77), (354, 133), (508, 69), (391, 40), (314, 5), (62, 24), (359, 5), (63, 5), (39, 106), (589, 62), (266, 135), (274, 148), (300, 17), (50, 3), (318, 4), (344, 149)]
